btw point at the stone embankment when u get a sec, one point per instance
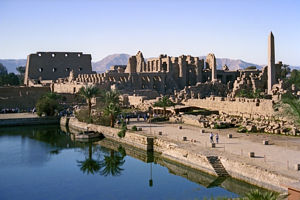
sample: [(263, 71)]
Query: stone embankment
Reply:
[(140, 140), (197, 160), (22, 120)]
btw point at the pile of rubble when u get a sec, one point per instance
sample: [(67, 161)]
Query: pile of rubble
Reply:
[(244, 124)]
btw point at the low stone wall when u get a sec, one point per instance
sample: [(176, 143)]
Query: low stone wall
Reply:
[(138, 140), (29, 121), (21, 97), (183, 156), (256, 175), (240, 106)]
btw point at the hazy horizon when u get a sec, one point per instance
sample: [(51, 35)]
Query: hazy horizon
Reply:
[(229, 29)]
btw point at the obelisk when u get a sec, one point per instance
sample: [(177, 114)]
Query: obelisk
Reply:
[(271, 63)]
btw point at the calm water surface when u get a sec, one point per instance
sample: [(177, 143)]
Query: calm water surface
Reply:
[(44, 163)]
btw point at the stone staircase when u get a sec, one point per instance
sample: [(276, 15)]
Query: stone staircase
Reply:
[(218, 166)]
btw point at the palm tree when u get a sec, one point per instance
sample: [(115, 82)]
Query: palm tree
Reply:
[(89, 165), (112, 164), (256, 194), (112, 97), (112, 110), (164, 102), (88, 93)]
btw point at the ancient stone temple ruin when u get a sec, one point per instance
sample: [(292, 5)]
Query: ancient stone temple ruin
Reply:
[(184, 76), (187, 80), (47, 67)]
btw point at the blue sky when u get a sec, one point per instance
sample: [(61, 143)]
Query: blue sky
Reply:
[(231, 29)]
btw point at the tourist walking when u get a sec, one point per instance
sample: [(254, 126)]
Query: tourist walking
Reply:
[(217, 138), (211, 136)]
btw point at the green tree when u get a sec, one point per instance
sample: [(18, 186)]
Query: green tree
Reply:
[(112, 110), (89, 165), (111, 165), (21, 71), (88, 93), (3, 70), (9, 79), (294, 78), (285, 70), (164, 102), (48, 104), (294, 105), (112, 105)]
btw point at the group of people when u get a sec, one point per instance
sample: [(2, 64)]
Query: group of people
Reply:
[(127, 117), (211, 137), (10, 110), (144, 116)]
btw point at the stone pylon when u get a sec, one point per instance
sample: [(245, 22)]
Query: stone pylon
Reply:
[(271, 63)]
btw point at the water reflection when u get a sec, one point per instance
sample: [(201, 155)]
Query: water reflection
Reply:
[(89, 165), (111, 164), (31, 146), (48, 145)]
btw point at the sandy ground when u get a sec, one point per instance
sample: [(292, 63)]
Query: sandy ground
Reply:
[(17, 115), (281, 155)]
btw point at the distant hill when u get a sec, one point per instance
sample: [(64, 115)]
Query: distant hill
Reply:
[(122, 59), (114, 59), (295, 67), (233, 64), (12, 64)]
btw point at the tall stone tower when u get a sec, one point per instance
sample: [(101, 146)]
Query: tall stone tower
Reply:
[(271, 63)]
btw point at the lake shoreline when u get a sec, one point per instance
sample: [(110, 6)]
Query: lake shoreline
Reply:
[(183, 154)]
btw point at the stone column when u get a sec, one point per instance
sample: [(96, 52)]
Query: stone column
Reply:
[(271, 63), (182, 70), (211, 62), (199, 67), (169, 64)]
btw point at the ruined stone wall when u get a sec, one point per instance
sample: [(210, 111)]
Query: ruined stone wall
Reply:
[(74, 87), (70, 88), (21, 97), (239, 107), (54, 65)]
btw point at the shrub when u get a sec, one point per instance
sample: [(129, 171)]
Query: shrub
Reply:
[(122, 133), (242, 129), (220, 126), (134, 128), (249, 93), (83, 115), (256, 194), (48, 105), (103, 120)]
